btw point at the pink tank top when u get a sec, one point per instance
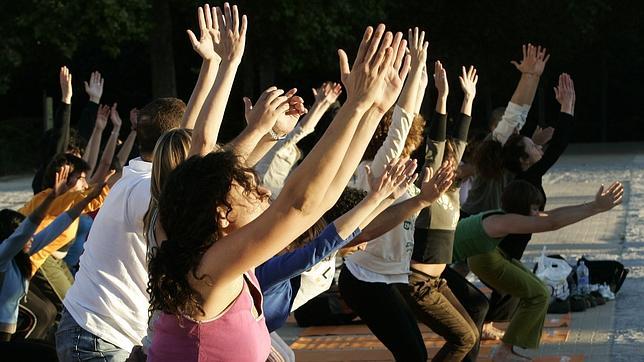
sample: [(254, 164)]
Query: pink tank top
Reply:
[(235, 335)]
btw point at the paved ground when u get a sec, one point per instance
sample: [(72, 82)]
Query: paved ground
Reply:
[(613, 332)]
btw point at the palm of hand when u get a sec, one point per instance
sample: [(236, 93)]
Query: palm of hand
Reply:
[(230, 46), (389, 91)]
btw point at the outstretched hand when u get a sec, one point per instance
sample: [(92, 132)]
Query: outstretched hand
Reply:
[(231, 41), (327, 93), (101, 116), (435, 185), (208, 34), (468, 80), (60, 182), (94, 88), (440, 79), (65, 78), (607, 199), (534, 60), (396, 74), (565, 94), (365, 80), (398, 174)]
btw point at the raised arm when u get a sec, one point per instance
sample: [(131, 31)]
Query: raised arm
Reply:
[(14, 243), (63, 115), (204, 46), (94, 90), (110, 147), (392, 146), (498, 226), (531, 67), (230, 47), (418, 51), (299, 204), (442, 87), (93, 145), (62, 222), (402, 118), (126, 147), (565, 94)]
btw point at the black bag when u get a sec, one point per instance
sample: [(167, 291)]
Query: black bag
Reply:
[(610, 272)]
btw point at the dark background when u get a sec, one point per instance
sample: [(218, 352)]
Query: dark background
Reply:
[(141, 48)]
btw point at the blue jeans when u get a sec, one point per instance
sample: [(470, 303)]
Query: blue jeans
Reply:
[(73, 344)]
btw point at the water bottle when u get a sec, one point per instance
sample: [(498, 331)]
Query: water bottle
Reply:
[(583, 278)]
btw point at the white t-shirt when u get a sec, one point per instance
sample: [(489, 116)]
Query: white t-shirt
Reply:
[(315, 281), (109, 297)]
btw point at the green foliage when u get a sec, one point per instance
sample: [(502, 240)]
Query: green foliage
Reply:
[(55, 28)]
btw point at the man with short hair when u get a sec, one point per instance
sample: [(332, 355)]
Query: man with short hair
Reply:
[(108, 300)]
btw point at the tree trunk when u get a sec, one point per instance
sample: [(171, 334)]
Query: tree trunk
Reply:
[(162, 56)]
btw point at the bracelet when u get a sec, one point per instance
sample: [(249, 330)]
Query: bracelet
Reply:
[(275, 136)]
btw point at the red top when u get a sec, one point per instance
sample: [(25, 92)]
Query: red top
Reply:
[(236, 335)]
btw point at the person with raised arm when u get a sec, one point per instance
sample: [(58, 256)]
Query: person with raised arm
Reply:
[(431, 297), (490, 179), (105, 310), (477, 239), (281, 276), (18, 242), (209, 36), (277, 163), (382, 268), (529, 162), (214, 253), (228, 36), (56, 140)]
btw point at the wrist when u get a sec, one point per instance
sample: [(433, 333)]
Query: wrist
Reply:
[(95, 99), (66, 99), (359, 105), (567, 107), (442, 97), (422, 202), (230, 63)]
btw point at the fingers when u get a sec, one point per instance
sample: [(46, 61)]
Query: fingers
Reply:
[(228, 17), (235, 19), (404, 70), (248, 105), (399, 46), (221, 25), (373, 43), (201, 21), (344, 64), (384, 52), (364, 44), (193, 41)]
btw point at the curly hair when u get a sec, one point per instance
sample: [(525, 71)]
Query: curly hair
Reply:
[(9, 222), (187, 209), (414, 138)]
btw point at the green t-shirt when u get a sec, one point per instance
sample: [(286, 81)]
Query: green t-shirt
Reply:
[(470, 238)]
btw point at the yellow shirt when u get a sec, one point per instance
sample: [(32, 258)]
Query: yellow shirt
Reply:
[(60, 205)]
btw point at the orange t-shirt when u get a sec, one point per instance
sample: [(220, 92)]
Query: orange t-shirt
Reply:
[(60, 205)]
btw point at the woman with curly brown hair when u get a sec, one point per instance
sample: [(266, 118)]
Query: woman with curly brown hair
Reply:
[(220, 226)]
